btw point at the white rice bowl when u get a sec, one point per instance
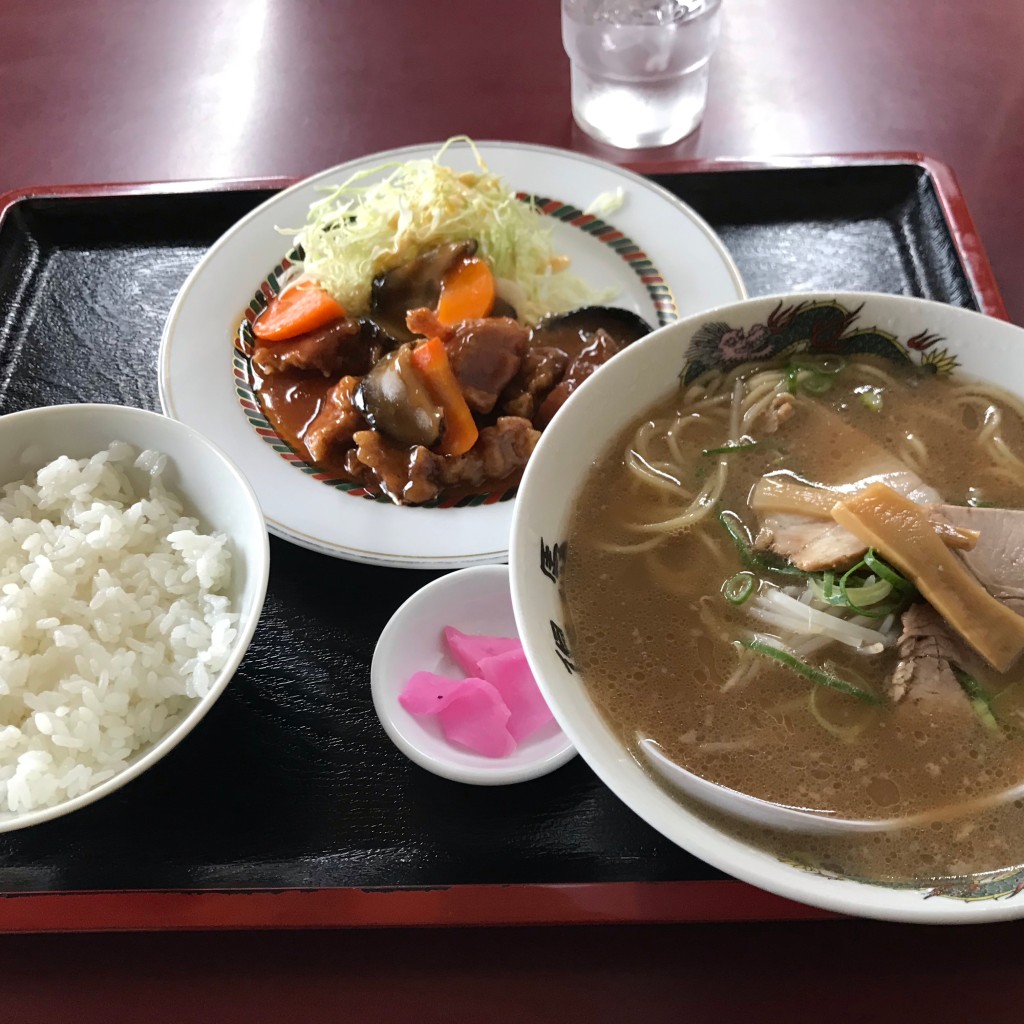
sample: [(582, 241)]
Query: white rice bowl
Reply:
[(122, 615)]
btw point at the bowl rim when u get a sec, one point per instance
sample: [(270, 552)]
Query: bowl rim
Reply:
[(617, 769), (260, 570)]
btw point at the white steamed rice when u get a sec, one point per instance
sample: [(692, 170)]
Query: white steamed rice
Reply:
[(113, 621)]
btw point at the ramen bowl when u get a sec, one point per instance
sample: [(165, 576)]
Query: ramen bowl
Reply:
[(708, 821)]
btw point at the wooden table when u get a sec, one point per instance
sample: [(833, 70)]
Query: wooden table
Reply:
[(117, 90)]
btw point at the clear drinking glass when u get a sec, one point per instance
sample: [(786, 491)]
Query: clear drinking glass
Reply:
[(639, 67)]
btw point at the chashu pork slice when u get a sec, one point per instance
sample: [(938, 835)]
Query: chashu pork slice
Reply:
[(928, 650), (997, 558), (808, 543), (854, 461)]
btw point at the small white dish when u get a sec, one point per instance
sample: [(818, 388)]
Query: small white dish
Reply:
[(475, 600)]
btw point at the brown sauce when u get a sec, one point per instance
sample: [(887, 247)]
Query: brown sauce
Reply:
[(291, 400)]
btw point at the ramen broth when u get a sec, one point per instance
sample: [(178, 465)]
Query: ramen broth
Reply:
[(660, 649)]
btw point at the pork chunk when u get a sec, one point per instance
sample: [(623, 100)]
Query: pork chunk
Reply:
[(336, 422), (316, 351), (541, 369), (408, 476), (411, 476), (810, 544), (596, 354), (499, 452), (485, 355), (780, 410), (424, 322)]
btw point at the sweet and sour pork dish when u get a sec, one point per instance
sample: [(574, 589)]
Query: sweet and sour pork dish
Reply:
[(427, 336)]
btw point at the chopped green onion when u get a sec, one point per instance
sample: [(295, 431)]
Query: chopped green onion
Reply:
[(812, 373), (871, 588), (860, 599), (869, 593), (886, 572), (737, 589), (819, 364), (870, 397), (826, 589), (980, 700), (739, 536), (814, 383), (726, 449), (808, 672)]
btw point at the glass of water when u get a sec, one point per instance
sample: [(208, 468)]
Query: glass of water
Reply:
[(639, 67)]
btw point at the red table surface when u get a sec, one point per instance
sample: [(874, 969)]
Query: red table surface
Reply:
[(115, 90)]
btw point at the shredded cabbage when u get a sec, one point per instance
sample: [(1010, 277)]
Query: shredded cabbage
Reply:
[(607, 202), (358, 231)]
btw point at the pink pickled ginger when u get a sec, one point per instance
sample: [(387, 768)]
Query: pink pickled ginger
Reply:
[(469, 650), (510, 675), (477, 718), (427, 693), (493, 710), (471, 711)]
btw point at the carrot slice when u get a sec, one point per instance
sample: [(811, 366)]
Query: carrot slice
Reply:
[(296, 311), (467, 292), (460, 429)]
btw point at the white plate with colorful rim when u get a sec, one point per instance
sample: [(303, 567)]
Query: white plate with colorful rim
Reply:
[(659, 258)]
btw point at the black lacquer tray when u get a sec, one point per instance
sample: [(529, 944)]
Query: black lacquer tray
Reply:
[(288, 806)]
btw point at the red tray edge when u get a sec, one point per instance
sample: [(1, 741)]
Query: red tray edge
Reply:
[(459, 905), (455, 906), (951, 198)]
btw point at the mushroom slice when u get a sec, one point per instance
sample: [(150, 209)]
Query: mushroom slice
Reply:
[(395, 402), (413, 285)]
